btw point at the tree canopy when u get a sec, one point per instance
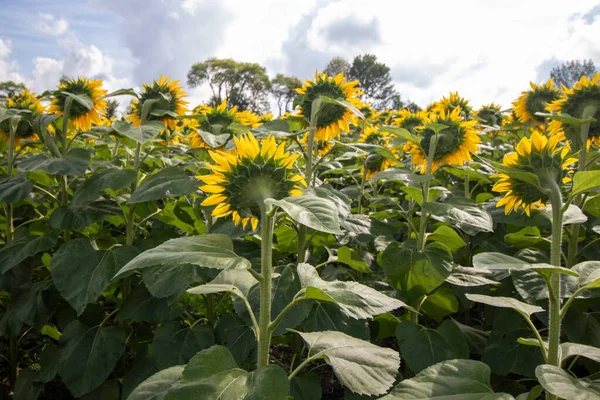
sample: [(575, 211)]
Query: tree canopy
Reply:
[(282, 88), (570, 72), (10, 88)]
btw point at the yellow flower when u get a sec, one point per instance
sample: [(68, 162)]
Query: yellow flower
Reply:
[(573, 101), (533, 155), (491, 115), (535, 100), (455, 144), (216, 121), (248, 118), (242, 179), (372, 135), (266, 117), (321, 147), (448, 104), (332, 118), (26, 101), (79, 116), (169, 96), (410, 121), (376, 163)]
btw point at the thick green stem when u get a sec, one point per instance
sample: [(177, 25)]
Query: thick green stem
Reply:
[(9, 164), (361, 193), (423, 222), (130, 228), (266, 232)]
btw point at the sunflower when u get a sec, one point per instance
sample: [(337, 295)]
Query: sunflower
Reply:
[(332, 118), (369, 112), (248, 118), (28, 102), (535, 100), (372, 135), (169, 102), (216, 121), (265, 118), (243, 179), (455, 144), (322, 147), (376, 163), (79, 116), (573, 101), (410, 121), (490, 115), (450, 103), (533, 155)]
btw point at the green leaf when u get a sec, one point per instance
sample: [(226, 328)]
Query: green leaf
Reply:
[(312, 211), (113, 178), (173, 345), (142, 368), (440, 304), (14, 189), (471, 220), (156, 387), (505, 302), (329, 317), (527, 237), (170, 182), (343, 103), (140, 305), (354, 299), (463, 172), (417, 273), (569, 349), (14, 253), (172, 280), (448, 236), (210, 251), (492, 260), (558, 382), (141, 134), (351, 258), (573, 215), (49, 363), (359, 365), (81, 273), (27, 387), (237, 282), (81, 99), (585, 181), (74, 163), (401, 133), (306, 387), (214, 141), (110, 389), (238, 337), (401, 175), (75, 217), (88, 355), (454, 379)]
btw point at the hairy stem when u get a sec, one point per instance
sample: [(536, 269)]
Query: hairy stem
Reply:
[(423, 222), (264, 338)]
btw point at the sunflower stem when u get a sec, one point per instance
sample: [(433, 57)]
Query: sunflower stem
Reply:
[(424, 216), (361, 193), (264, 337), (10, 159)]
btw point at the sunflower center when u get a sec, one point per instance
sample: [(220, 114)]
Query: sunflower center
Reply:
[(537, 101), (449, 139), (79, 88), (329, 113), (411, 124), (166, 101)]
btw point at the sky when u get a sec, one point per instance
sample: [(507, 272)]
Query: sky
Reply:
[(488, 50)]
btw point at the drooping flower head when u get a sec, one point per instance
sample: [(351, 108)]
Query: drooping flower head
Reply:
[(376, 163), (249, 119), (332, 118), (242, 179), (373, 135), (216, 120), (321, 147), (79, 116), (455, 146), (168, 96), (491, 115), (535, 100), (533, 155), (25, 101), (448, 104), (410, 121), (573, 101)]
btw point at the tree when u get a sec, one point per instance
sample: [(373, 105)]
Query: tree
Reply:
[(111, 109), (245, 85), (10, 88), (282, 88), (571, 71), (375, 80), (412, 107), (337, 65)]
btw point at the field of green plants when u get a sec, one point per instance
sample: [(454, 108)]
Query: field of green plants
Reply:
[(336, 252)]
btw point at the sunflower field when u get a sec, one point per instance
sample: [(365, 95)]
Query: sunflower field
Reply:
[(336, 252)]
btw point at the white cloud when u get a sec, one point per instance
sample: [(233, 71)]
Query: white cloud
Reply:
[(49, 25), (9, 69)]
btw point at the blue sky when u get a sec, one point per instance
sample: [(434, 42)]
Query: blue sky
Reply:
[(486, 50)]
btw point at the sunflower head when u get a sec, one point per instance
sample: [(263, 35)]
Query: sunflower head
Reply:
[(79, 116), (448, 104), (573, 101), (538, 155), (248, 118), (332, 118), (372, 135), (265, 118), (242, 179), (535, 100), (491, 115), (410, 121), (219, 117), (31, 108), (321, 147), (455, 144), (167, 97), (375, 163)]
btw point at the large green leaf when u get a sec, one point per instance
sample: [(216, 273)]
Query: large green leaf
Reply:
[(141, 134), (449, 380), (12, 254), (213, 375), (351, 258), (210, 251), (31, 306), (74, 163), (359, 365), (314, 212), (170, 182), (470, 219), (236, 282), (140, 305), (448, 236), (306, 387), (81, 273), (14, 189), (558, 382), (329, 317), (88, 355), (113, 178), (506, 354), (174, 345), (238, 337), (493, 260), (27, 386), (569, 349), (417, 273), (76, 217), (585, 181), (171, 280), (156, 387), (354, 299), (505, 302)]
